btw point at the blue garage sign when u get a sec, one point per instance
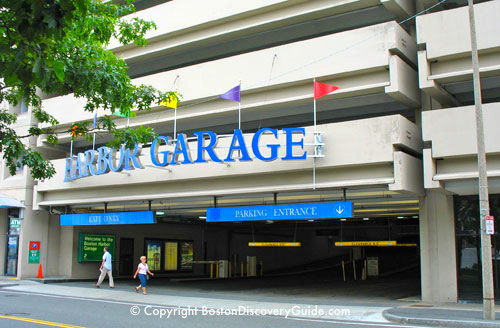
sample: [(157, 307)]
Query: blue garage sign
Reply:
[(104, 159), (107, 218), (280, 212)]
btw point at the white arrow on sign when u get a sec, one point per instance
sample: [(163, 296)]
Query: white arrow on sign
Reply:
[(340, 210)]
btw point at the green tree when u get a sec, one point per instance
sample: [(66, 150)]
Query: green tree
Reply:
[(60, 46)]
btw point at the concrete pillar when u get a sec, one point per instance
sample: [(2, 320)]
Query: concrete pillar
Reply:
[(3, 239), (437, 248), (66, 251), (34, 227), (53, 247)]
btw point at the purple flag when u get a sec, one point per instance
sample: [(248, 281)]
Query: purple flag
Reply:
[(233, 94)]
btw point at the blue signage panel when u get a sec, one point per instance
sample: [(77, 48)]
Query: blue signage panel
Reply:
[(280, 212), (107, 218)]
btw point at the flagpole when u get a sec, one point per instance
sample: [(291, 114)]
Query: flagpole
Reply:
[(314, 170), (239, 115), (95, 127), (239, 110), (314, 81), (175, 123), (234, 94), (175, 109), (314, 136), (320, 90)]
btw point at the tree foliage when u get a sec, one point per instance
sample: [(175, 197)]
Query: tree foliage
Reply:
[(60, 47)]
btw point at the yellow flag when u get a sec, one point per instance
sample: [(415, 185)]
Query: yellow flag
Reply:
[(171, 102)]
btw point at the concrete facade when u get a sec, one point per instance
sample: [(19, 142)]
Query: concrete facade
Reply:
[(397, 138)]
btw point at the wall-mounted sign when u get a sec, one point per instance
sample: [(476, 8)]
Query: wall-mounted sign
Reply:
[(366, 243), (91, 247), (14, 226), (106, 159), (280, 212), (34, 252), (144, 217), (372, 266), (490, 225), (275, 244)]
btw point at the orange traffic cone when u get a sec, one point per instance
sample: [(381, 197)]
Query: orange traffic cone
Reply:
[(40, 274)]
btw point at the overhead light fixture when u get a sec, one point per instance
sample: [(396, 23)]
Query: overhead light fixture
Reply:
[(203, 217), (366, 219), (415, 217), (343, 219), (400, 217), (310, 220), (269, 221), (160, 213)]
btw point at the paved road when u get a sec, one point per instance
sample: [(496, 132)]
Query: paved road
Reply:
[(315, 288), (21, 309)]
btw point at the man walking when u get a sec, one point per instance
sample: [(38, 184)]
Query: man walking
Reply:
[(106, 268)]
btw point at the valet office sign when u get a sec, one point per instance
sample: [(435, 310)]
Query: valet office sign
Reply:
[(280, 212), (142, 217), (106, 159)]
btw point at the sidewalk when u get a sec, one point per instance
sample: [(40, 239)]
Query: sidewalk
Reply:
[(368, 308), (443, 315), (8, 281), (158, 297)]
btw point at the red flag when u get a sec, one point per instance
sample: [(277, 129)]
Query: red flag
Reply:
[(321, 89)]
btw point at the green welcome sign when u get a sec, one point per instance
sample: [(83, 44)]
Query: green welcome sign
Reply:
[(91, 247)]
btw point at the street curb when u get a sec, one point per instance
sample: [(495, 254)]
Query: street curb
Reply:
[(8, 285), (439, 322), (56, 281)]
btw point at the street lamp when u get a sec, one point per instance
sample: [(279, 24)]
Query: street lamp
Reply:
[(484, 206)]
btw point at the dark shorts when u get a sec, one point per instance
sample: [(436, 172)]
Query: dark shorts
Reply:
[(142, 278)]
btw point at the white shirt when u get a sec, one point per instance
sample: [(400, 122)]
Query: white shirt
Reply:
[(143, 268), (107, 261)]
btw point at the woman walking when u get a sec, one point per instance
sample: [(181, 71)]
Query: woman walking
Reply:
[(142, 271)]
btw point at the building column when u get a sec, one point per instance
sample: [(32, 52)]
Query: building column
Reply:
[(437, 248), (67, 253), (34, 227), (3, 239), (53, 247)]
